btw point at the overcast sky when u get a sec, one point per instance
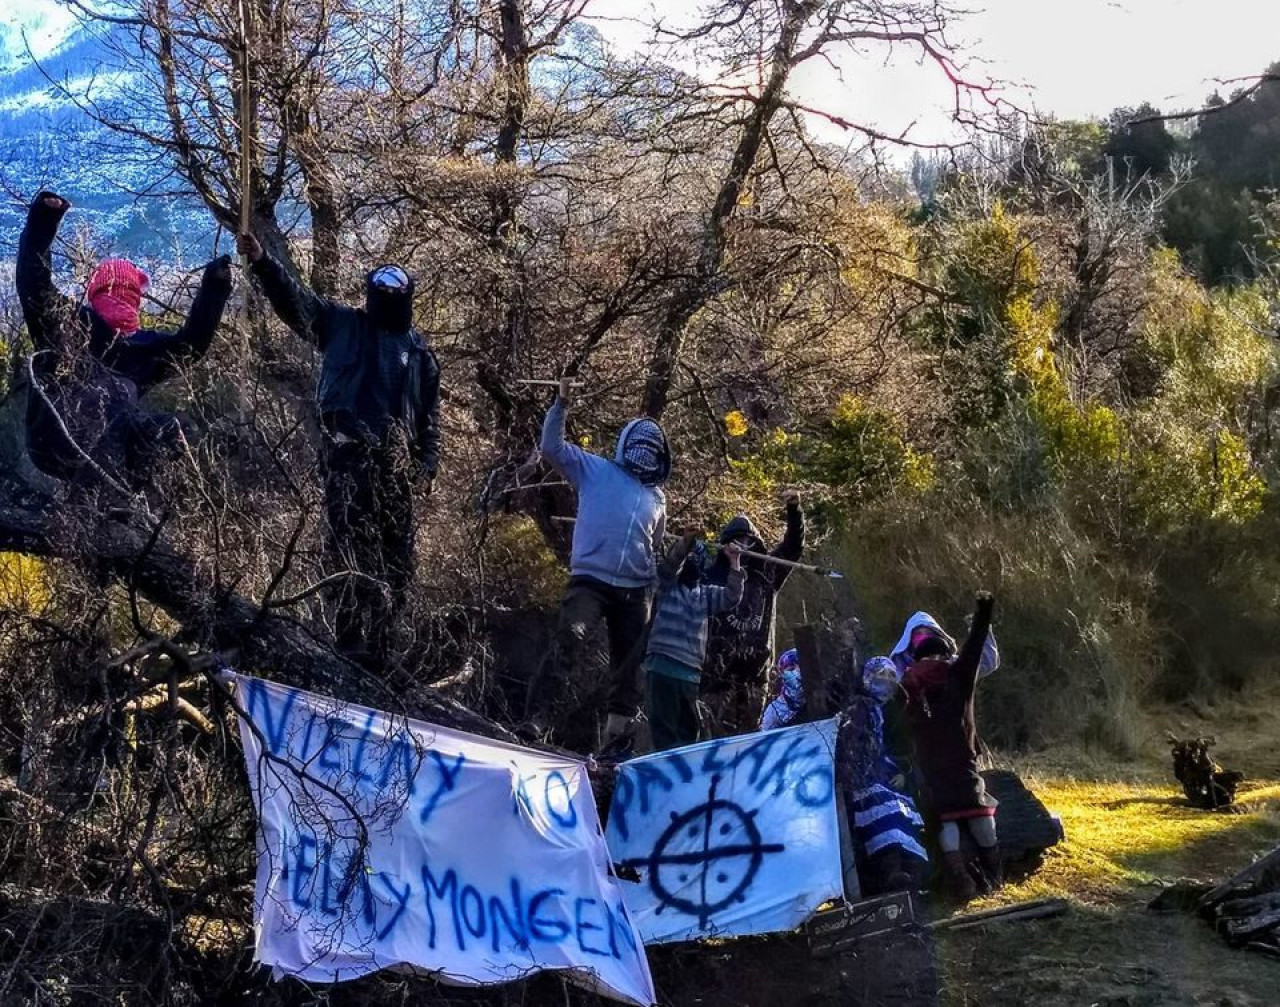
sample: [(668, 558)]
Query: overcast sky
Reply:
[(1069, 58)]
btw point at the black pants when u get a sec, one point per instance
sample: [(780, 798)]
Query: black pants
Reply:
[(625, 611), (368, 495)]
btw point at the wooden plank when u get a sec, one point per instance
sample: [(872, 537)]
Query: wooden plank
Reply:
[(848, 855), (815, 691), (1037, 909)]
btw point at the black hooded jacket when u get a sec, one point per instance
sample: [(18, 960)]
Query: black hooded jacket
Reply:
[(373, 376), (92, 376), (741, 640)]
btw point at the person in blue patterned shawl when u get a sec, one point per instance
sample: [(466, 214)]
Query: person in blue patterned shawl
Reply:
[(887, 827)]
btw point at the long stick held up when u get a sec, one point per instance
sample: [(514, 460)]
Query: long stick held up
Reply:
[(246, 144), (763, 557), (246, 118)]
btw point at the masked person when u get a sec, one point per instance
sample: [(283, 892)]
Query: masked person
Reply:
[(378, 399), (939, 713), (786, 705), (678, 639), (741, 643), (886, 824), (622, 516), (922, 627), (94, 360)]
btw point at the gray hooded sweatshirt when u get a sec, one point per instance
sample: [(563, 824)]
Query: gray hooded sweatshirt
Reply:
[(620, 522)]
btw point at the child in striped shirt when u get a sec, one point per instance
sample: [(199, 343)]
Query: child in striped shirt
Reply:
[(678, 639)]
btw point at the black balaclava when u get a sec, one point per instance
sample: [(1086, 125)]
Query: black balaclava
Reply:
[(388, 298)]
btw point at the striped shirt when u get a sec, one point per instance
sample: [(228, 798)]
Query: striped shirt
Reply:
[(679, 630)]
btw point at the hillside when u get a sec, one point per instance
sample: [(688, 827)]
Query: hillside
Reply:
[(49, 139)]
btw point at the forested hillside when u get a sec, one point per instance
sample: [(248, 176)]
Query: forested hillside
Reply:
[(1041, 363)]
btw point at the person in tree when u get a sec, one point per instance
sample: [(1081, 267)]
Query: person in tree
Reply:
[(741, 643), (939, 714), (886, 823), (93, 359), (621, 520), (921, 627), (678, 639), (378, 400), (786, 705)]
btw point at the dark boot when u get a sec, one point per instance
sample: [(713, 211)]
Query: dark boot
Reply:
[(955, 873), (888, 873), (992, 867)]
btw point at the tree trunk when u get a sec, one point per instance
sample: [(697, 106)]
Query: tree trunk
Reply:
[(707, 282)]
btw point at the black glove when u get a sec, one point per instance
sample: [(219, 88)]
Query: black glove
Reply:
[(986, 604), (218, 272)]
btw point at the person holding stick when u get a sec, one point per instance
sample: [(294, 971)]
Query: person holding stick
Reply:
[(94, 359), (678, 639), (741, 642), (378, 398), (622, 515)]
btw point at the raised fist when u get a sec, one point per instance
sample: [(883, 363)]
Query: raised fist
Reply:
[(219, 271), (53, 201)]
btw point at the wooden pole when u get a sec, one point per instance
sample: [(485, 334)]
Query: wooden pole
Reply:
[(763, 557), (246, 149), (246, 120), (815, 693)]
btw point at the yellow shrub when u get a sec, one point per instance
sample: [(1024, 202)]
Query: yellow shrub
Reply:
[(24, 585)]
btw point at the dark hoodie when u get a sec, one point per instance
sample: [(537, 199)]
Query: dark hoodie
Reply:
[(742, 639), (941, 719), (377, 372)]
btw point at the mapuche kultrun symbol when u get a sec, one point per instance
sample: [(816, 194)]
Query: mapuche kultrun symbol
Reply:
[(724, 872)]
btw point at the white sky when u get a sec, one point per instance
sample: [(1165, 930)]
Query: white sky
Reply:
[(1070, 58)]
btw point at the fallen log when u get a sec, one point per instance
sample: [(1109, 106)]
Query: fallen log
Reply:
[(1248, 876), (1244, 920), (1037, 909), (125, 545)]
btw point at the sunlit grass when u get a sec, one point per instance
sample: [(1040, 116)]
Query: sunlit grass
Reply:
[(1124, 835)]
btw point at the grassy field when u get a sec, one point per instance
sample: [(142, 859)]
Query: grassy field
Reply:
[(1129, 832)]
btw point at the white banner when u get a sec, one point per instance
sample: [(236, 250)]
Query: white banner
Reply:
[(387, 843), (730, 837)]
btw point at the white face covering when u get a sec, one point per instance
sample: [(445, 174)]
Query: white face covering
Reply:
[(390, 278)]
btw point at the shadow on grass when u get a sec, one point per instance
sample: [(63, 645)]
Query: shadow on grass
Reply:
[(1126, 802), (1226, 845)]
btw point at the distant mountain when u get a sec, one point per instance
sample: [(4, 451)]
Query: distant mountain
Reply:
[(46, 141)]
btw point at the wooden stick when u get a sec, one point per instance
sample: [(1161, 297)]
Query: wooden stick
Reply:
[(1037, 909), (550, 382), (246, 122), (532, 486), (764, 557), (246, 155)]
